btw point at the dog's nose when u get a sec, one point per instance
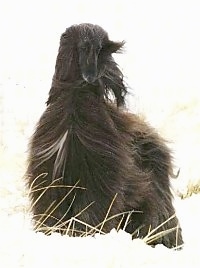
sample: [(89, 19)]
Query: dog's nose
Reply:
[(90, 78)]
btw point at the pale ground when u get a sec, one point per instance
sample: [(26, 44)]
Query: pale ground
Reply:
[(161, 65)]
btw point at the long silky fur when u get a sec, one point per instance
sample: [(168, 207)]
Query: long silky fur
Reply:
[(89, 159)]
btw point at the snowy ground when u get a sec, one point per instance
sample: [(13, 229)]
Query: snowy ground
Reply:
[(161, 63)]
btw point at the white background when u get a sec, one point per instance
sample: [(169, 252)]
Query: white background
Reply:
[(161, 63)]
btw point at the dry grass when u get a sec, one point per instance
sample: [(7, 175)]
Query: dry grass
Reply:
[(192, 188), (68, 227)]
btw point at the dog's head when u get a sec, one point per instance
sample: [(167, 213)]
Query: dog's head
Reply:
[(85, 55)]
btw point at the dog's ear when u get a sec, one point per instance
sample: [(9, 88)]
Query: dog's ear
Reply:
[(67, 43), (68, 36), (113, 47), (66, 63)]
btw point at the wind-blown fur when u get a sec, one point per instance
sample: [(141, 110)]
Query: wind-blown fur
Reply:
[(92, 164)]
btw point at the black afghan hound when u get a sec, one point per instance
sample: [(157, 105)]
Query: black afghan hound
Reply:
[(93, 166)]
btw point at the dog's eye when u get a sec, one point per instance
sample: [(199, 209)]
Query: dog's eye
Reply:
[(105, 50), (83, 48), (98, 49)]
